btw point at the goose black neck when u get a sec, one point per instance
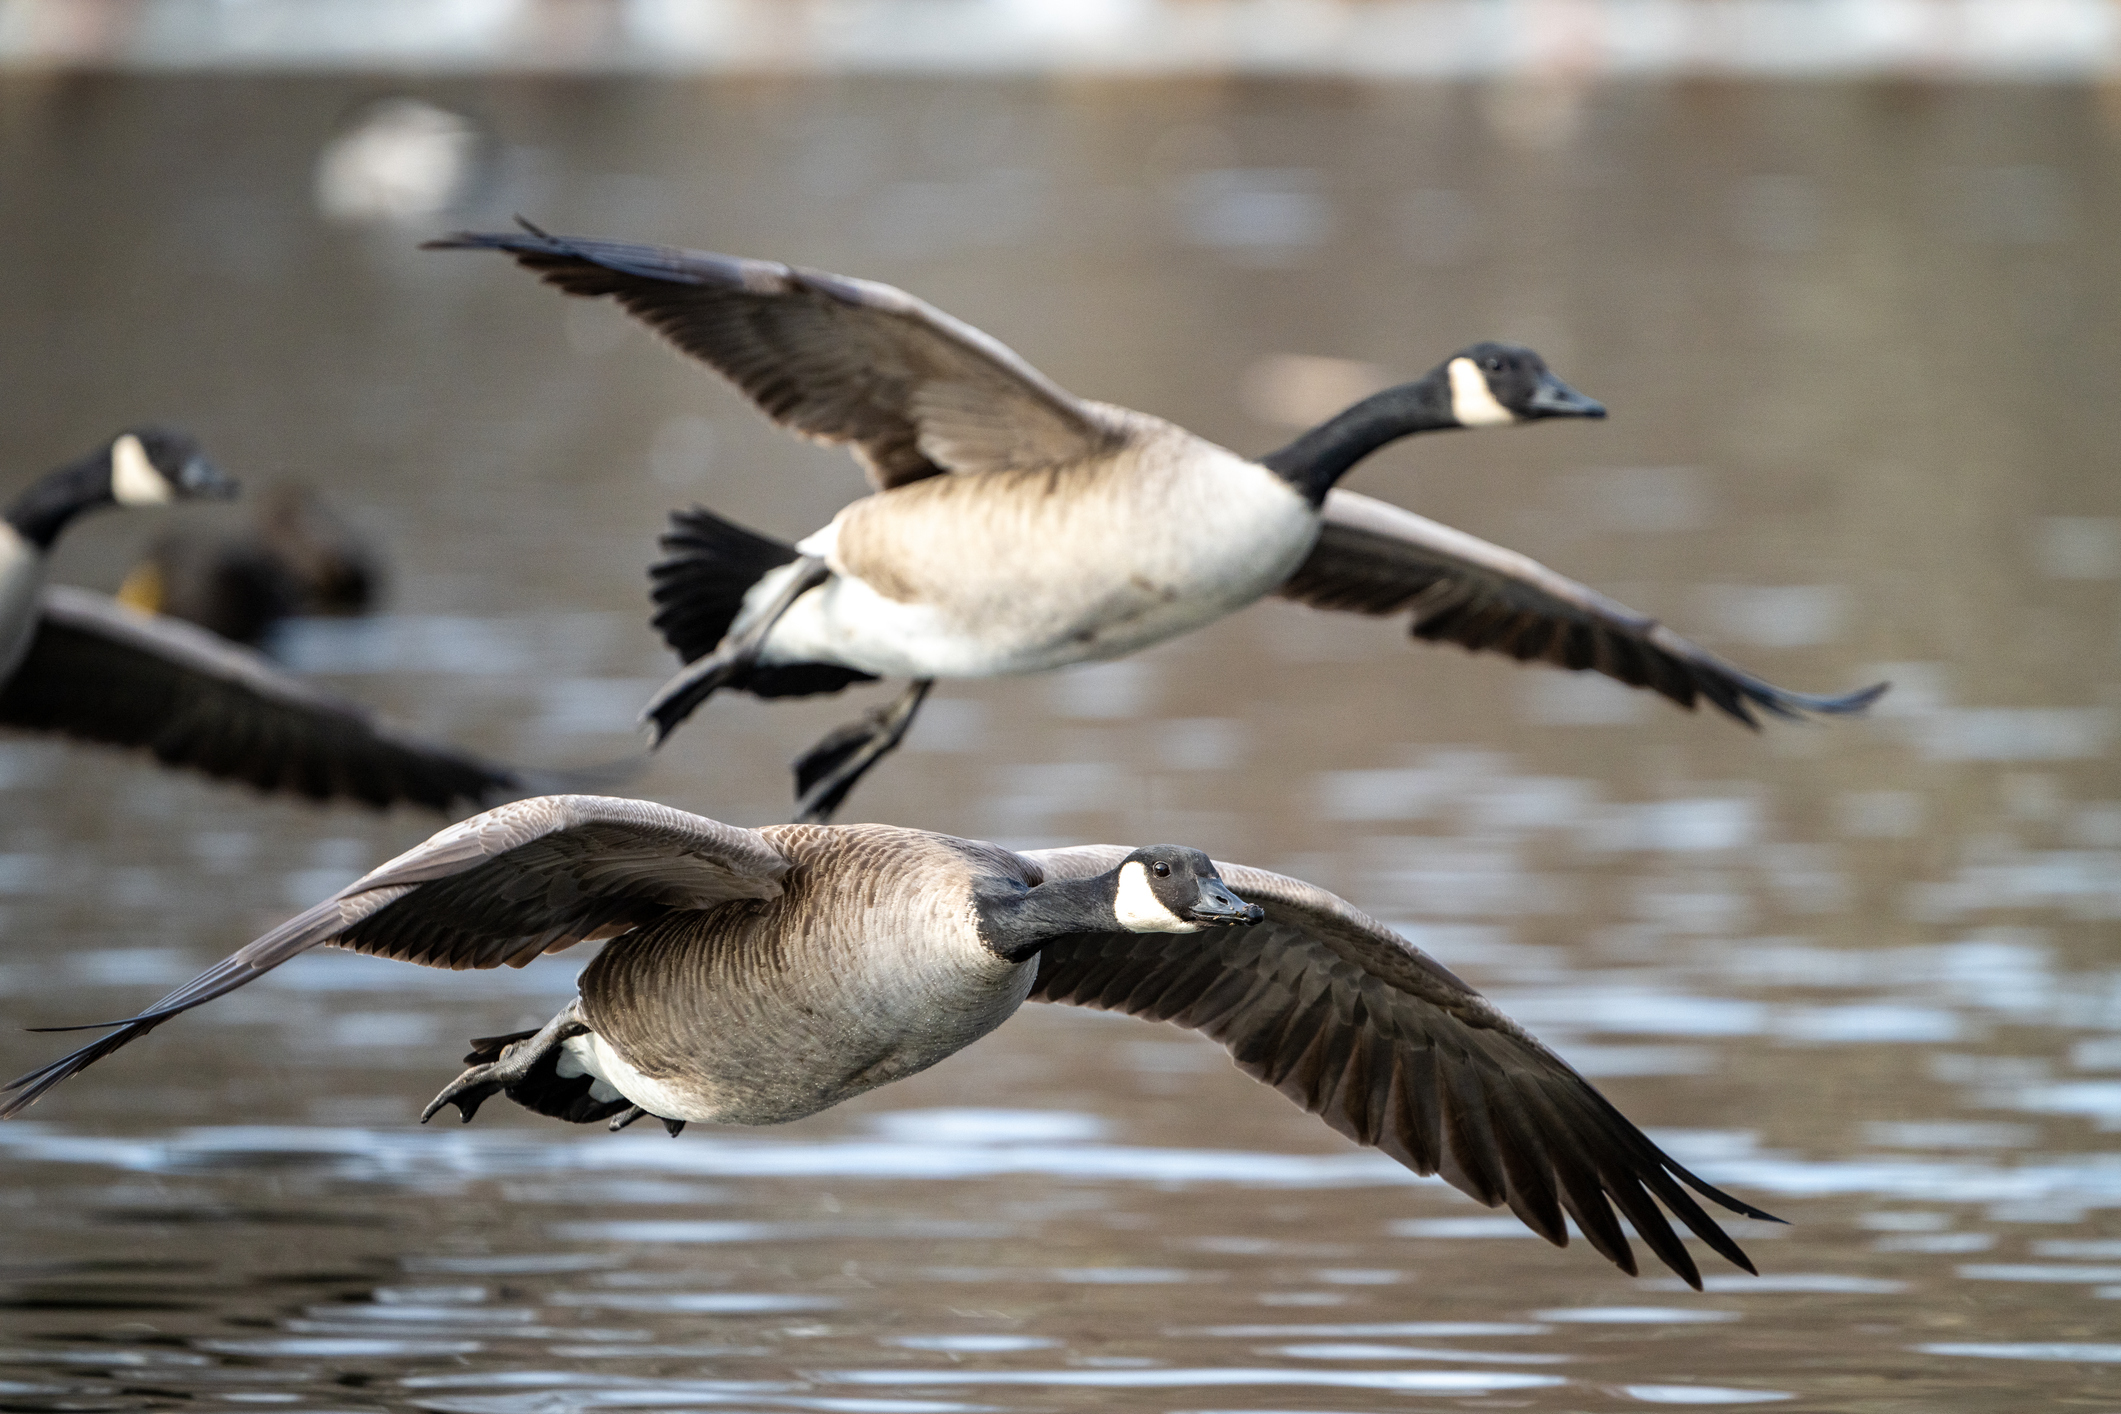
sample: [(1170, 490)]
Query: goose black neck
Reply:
[(1016, 922), (45, 507), (1314, 461)]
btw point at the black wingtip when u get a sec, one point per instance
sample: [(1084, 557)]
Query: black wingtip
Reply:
[(1792, 706), (1856, 701), (1716, 1195), (489, 240)]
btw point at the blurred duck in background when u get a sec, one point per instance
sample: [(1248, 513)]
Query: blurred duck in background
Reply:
[(292, 557), (1017, 528), (758, 976), (84, 665)]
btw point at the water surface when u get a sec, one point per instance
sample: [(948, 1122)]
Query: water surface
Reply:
[(1858, 342)]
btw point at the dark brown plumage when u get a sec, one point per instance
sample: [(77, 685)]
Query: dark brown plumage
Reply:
[(1374, 558), (834, 359), (100, 672), (760, 975)]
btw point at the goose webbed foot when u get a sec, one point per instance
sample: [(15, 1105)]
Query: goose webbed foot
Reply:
[(625, 1117), (827, 772), (516, 1061)]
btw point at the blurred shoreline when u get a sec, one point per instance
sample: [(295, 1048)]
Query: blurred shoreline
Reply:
[(2017, 40)]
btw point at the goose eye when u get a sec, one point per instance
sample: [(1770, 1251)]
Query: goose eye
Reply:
[(1163, 871), (1494, 365)]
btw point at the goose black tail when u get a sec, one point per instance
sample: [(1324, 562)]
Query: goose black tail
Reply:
[(700, 589), (713, 564)]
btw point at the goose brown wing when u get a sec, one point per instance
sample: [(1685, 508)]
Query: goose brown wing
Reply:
[(529, 877), (102, 672), (1374, 558), (835, 359), (1381, 1041)]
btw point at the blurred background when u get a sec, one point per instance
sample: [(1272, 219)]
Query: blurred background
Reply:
[(1844, 272)]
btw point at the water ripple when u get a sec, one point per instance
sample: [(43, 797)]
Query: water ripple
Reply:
[(1433, 1381)]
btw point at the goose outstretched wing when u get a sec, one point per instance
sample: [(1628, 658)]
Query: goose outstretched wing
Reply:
[(103, 672), (529, 877), (1374, 558), (835, 359), (1381, 1041)]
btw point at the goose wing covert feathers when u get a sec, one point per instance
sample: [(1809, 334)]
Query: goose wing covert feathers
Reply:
[(835, 359), (1374, 558), (103, 672), (1381, 1041), (527, 878)]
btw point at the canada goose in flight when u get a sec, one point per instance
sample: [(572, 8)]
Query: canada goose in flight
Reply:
[(758, 976), (1018, 528), (290, 556), (79, 663)]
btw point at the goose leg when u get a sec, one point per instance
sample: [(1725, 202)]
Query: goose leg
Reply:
[(727, 664), (828, 771), (480, 1083)]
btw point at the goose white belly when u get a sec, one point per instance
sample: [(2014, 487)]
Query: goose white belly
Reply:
[(21, 580), (1060, 580)]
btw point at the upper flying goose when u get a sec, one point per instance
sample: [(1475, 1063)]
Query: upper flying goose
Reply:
[(757, 976), (77, 662), (1067, 530), (291, 556)]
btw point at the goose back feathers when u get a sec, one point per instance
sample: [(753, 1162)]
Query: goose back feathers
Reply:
[(760, 975)]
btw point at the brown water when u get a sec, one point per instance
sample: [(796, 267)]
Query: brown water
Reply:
[(1860, 346)]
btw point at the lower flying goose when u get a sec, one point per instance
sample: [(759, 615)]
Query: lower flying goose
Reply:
[(1018, 528), (758, 976), (81, 664)]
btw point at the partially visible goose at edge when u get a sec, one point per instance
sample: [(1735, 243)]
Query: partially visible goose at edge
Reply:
[(758, 976), (290, 556), (83, 665), (1064, 530)]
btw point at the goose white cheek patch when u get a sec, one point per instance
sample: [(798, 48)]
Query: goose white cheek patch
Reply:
[(1138, 908), (133, 478), (1472, 401)]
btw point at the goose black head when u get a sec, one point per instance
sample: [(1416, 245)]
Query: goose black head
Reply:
[(1494, 385), (150, 466), (1482, 385), (1167, 888), (146, 466)]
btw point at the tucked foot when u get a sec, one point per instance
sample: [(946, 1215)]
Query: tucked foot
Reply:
[(620, 1121), (828, 772), (518, 1057)]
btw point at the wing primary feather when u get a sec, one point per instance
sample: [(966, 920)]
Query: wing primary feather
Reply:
[(1526, 1166), (1471, 1138), (1373, 557)]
